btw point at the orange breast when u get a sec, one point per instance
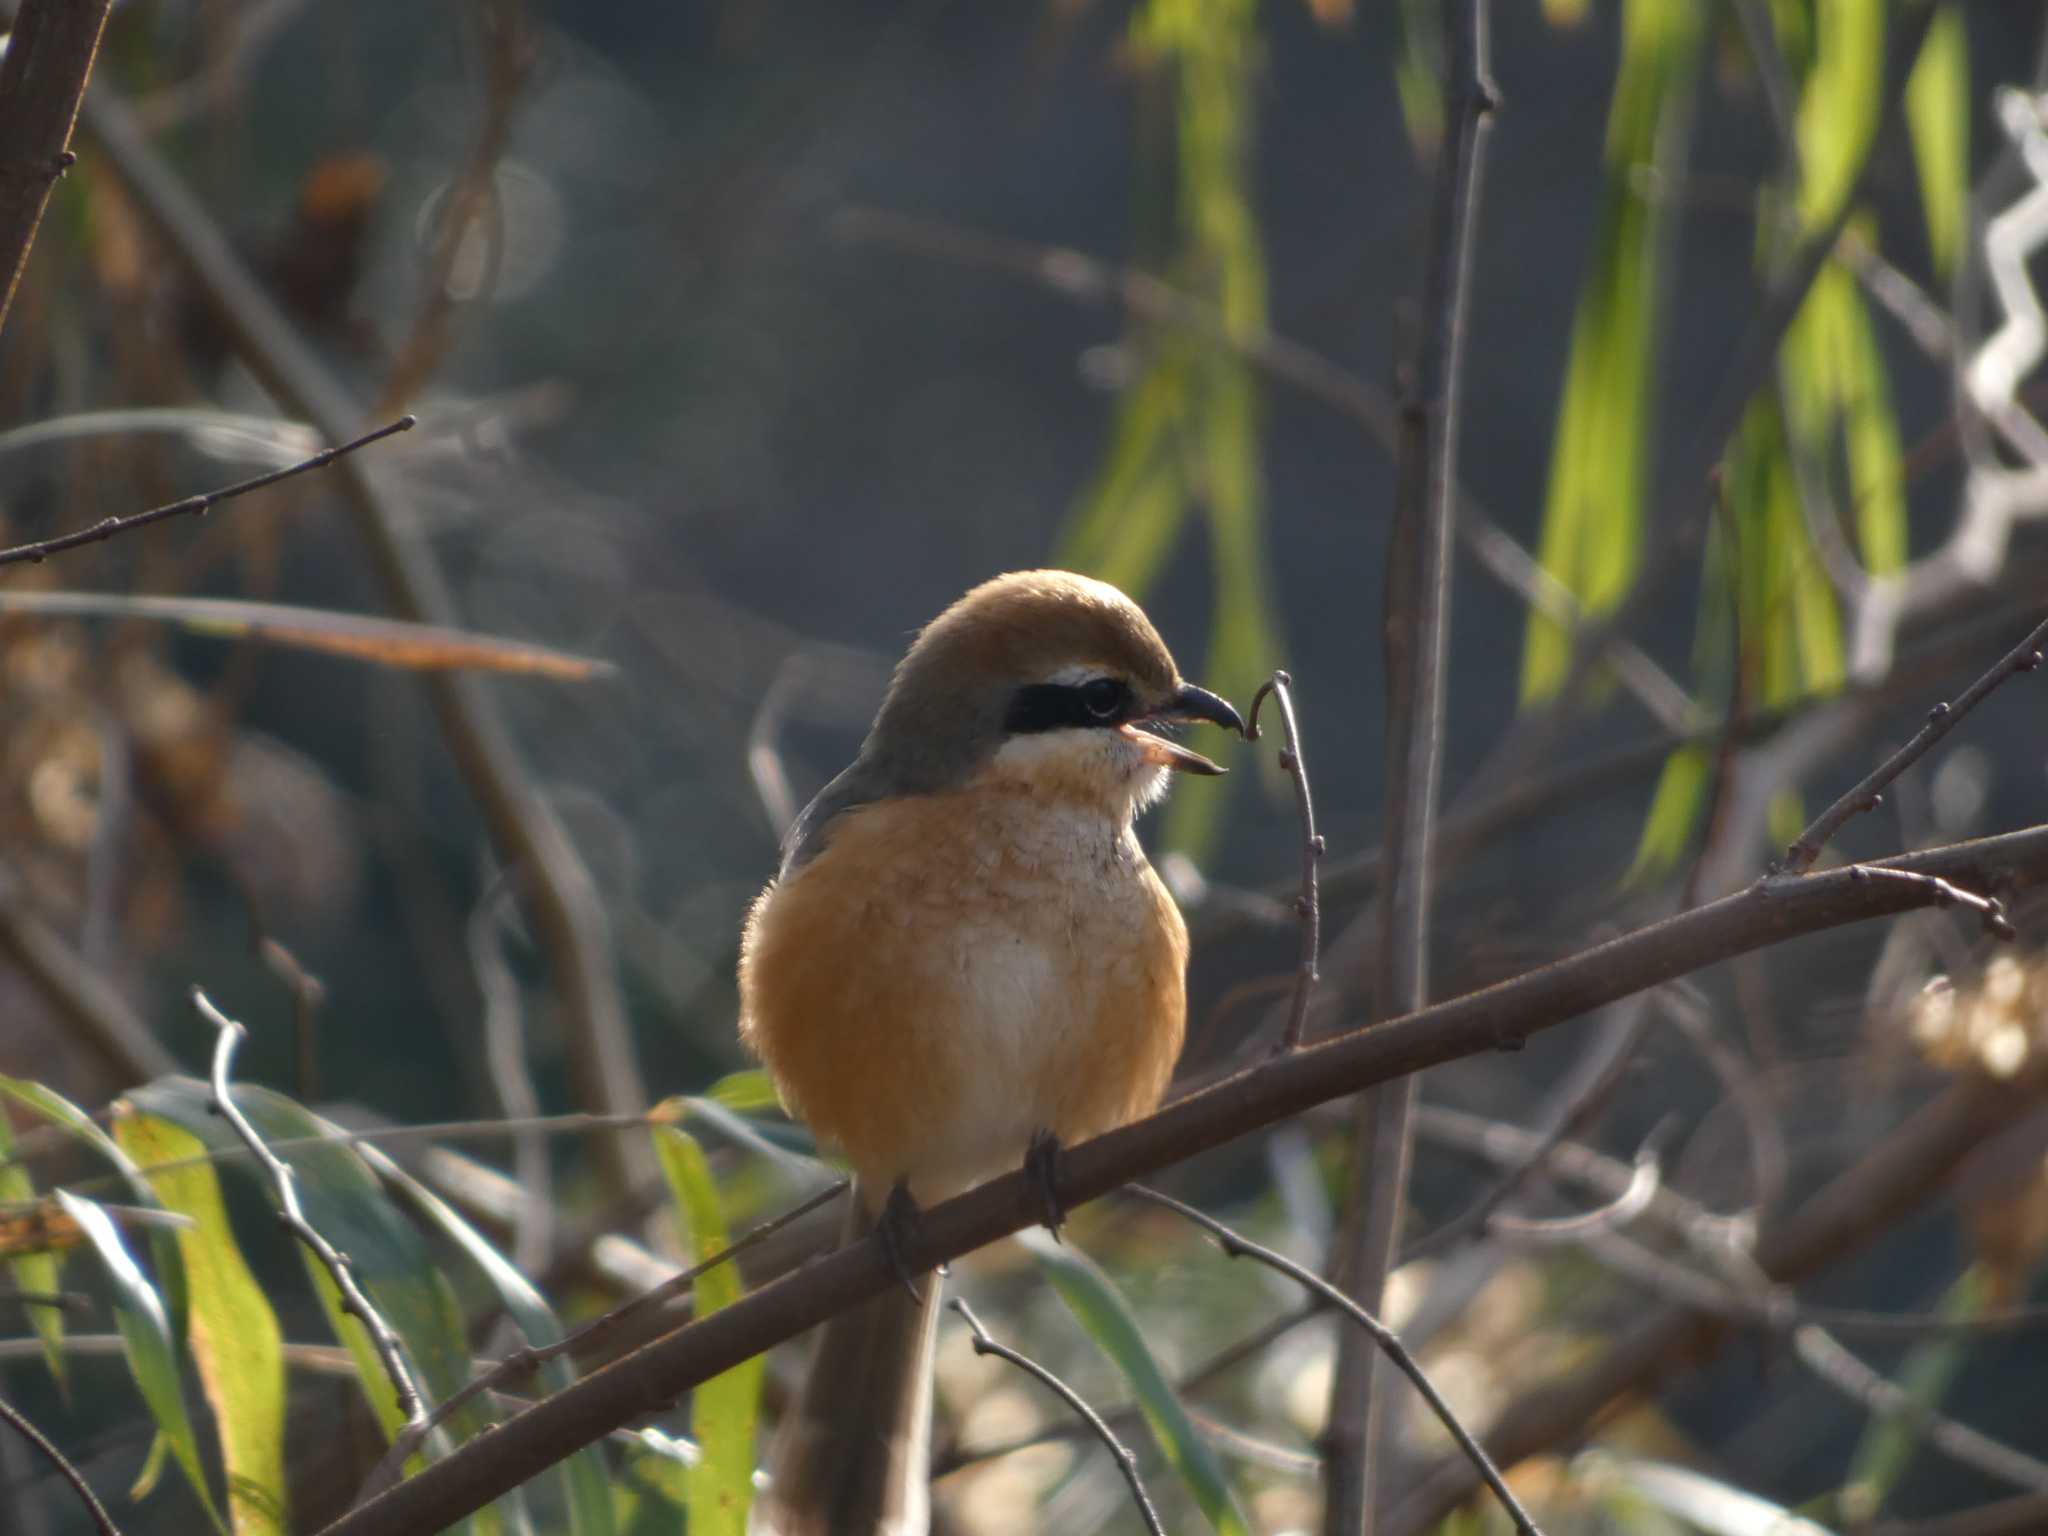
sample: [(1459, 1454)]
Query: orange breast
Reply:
[(957, 971)]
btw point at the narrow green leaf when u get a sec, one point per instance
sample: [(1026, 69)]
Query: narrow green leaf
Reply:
[(1838, 110), (1667, 832), (33, 1272), (234, 1337), (163, 1246), (584, 1477), (1892, 1440), (723, 1409), (347, 1204), (1593, 510), (748, 1092), (1107, 1319), (1938, 119), (146, 1343)]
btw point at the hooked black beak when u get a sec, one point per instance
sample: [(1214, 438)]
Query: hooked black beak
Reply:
[(1191, 703)]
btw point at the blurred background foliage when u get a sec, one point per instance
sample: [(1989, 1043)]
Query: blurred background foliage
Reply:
[(744, 335)]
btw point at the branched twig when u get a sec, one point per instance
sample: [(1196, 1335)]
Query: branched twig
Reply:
[(193, 506), (50, 50), (1989, 909), (1307, 905), (284, 1184), (1943, 718), (1383, 1337), (523, 1362), (35, 1437), (1503, 1015), (1126, 1462)]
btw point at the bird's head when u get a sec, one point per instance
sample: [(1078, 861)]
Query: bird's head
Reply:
[(1048, 679)]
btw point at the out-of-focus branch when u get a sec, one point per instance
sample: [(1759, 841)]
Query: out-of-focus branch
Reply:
[(1895, 1176), (99, 1017), (1415, 631), (49, 58), (1892, 1178), (560, 897)]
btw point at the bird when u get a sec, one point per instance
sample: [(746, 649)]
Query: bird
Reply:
[(964, 961)]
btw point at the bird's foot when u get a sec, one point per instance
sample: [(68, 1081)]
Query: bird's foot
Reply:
[(1042, 1167), (897, 1227)]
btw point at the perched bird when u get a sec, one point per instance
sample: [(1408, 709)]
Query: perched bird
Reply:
[(966, 957)]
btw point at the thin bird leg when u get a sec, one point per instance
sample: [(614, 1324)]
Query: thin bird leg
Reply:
[(897, 1227), (1042, 1167)]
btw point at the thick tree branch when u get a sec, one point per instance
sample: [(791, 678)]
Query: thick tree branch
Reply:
[(1499, 1017)]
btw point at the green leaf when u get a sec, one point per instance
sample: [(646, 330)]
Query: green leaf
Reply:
[(1107, 1319), (233, 1334), (1593, 510), (35, 1272), (749, 1092), (1938, 119), (146, 1342), (584, 1477), (723, 1409), (1681, 792), (1838, 110), (1892, 1440), (348, 1206), (163, 1246)]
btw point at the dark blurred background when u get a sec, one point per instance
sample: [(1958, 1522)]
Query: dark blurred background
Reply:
[(751, 377)]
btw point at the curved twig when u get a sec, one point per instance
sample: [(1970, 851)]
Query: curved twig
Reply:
[(1126, 1462), (1308, 905), (35, 1437), (1384, 1338)]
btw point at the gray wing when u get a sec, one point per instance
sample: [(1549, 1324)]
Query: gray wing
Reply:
[(807, 835)]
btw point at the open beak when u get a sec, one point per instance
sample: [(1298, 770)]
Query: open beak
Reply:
[(1191, 703)]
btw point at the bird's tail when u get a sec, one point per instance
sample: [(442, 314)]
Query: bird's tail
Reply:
[(852, 1456)]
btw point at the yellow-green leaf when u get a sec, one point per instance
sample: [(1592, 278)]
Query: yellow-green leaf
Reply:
[(1108, 1320), (232, 1333), (1838, 110), (1938, 119), (723, 1409), (1593, 509), (36, 1273), (146, 1344)]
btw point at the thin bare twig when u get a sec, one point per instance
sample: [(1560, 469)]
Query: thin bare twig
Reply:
[(1415, 636), (35, 1437), (50, 49), (284, 1184), (1307, 905), (1941, 719), (1383, 1338), (194, 506), (1126, 1462)]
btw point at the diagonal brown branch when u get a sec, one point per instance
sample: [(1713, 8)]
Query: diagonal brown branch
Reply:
[(1498, 1017)]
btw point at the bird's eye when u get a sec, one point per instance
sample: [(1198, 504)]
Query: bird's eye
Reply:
[(1104, 697)]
